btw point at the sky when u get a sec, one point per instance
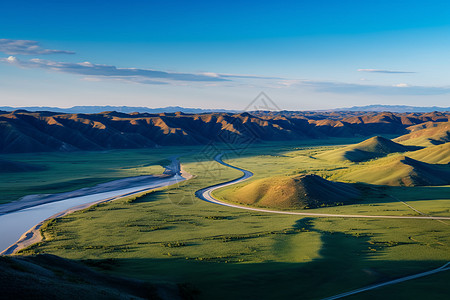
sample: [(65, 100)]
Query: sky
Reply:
[(221, 54)]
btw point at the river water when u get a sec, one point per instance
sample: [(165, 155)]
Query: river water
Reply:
[(14, 224)]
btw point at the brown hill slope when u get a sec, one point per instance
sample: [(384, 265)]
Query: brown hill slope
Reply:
[(400, 171), (300, 191), (22, 131), (372, 148)]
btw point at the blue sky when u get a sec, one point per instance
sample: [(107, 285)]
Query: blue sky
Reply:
[(303, 54)]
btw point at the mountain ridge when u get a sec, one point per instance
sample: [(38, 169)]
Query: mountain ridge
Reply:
[(22, 131)]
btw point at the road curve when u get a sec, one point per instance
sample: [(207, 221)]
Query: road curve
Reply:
[(445, 267), (205, 194)]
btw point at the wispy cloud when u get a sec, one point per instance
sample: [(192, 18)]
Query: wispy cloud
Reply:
[(135, 80), (353, 88), (108, 71), (246, 76), (384, 71), (97, 72), (26, 47)]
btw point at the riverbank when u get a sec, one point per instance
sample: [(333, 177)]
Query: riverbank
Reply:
[(173, 174)]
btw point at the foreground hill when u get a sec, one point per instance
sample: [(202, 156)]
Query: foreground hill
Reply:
[(52, 277), (400, 171), (299, 191), (369, 149), (22, 131), (426, 134), (439, 154)]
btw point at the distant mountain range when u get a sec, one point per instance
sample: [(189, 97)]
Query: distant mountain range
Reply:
[(186, 110), (122, 109), (22, 131), (393, 108)]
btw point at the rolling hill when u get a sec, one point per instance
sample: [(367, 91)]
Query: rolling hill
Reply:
[(299, 191), (369, 149), (426, 134), (400, 171)]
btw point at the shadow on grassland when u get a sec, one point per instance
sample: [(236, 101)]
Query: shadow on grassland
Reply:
[(346, 263)]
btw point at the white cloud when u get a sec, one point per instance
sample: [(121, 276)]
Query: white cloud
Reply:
[(211, 74), (11, 59), (26, 47), (402, 85)]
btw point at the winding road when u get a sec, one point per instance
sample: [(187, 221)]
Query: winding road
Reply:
[(206, 195)]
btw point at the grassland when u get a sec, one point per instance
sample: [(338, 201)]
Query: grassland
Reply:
[(169, 235)]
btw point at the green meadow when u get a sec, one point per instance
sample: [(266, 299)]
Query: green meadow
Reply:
[(223, 252)]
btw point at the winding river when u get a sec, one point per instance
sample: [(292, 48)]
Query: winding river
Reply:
[(20, 220)]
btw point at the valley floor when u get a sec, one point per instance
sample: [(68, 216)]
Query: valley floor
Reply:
[(226, 252)]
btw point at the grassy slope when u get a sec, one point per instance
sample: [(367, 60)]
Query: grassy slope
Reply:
[(396, 170), (439, 154), (437, 133), (171, 236), (369, 149)]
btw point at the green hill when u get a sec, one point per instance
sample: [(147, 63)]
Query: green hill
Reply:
[(400, 171), (439, 154), (369, 149), (299, 191), (426, 134)]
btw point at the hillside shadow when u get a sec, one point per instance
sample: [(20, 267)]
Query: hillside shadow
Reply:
[(386, 194)]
